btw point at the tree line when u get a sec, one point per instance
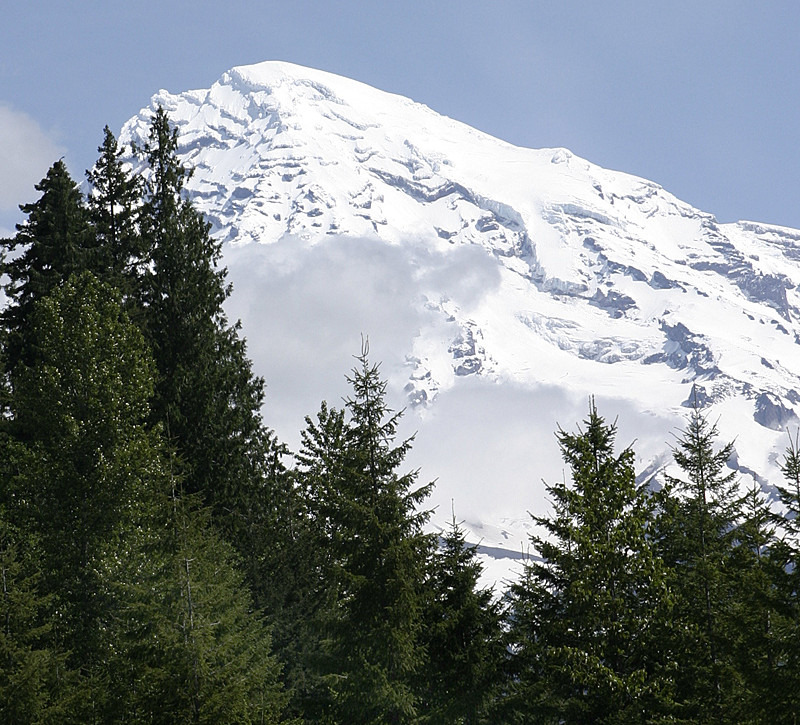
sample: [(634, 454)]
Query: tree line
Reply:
[(165, 558)]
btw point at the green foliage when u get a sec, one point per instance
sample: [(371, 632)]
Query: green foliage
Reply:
[(303, 558), (586, 617), (54, 242), (114, 204), (148, 597), (377, 554), (463, 637), (34, 681), (78, 440), (781, 693), (382, 565), (182, 293), (699, 544), (182, 641), (206, 396), (756, 620)]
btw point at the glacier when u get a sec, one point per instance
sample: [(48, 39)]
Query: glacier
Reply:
[(501, 286)]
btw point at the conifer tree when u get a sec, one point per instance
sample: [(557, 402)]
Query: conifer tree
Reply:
[(114, 204), (304, 589), (183, 293), (462, 635), (594, 599), (206, 395), (54, 242), (699, 547), (757, 619), (784, 687), (384, 562), (378, 557)]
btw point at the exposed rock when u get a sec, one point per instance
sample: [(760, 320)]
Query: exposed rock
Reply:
[(659, 281), (683, 350), (698, 398), (771, 413), (615, 303)]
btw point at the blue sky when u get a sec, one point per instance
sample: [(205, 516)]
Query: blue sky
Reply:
[(702, 97)]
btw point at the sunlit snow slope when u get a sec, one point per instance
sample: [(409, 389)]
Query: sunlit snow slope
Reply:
[(510, 283)]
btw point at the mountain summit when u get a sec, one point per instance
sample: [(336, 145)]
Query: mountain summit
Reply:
[(525, 269)]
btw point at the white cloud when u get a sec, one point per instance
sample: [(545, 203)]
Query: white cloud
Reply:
[(26, 152), (492, 447), (304, 308)]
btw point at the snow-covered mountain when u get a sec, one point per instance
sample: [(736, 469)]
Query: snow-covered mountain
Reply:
[(500, 285)]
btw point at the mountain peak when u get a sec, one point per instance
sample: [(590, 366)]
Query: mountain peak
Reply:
[(525, 267), (272, 74)]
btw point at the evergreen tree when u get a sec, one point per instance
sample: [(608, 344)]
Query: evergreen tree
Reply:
[(699, 547), (589, 616), (378, 556), (114, 204), (304, 590), (384, 563), (54, 242), (783, 696), (78, 448), (206, 396), (757, 619), (462, 635)]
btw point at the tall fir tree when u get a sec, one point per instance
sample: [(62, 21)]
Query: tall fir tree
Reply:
[(55, 241), (698, 542), (206, 396), (378, 557), (784, 686), (593, 604), (757, 618), (463, 636), (384, 563), (305, 591), (114, 204)]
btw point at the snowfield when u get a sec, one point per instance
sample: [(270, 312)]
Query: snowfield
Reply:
[(500, 286)]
